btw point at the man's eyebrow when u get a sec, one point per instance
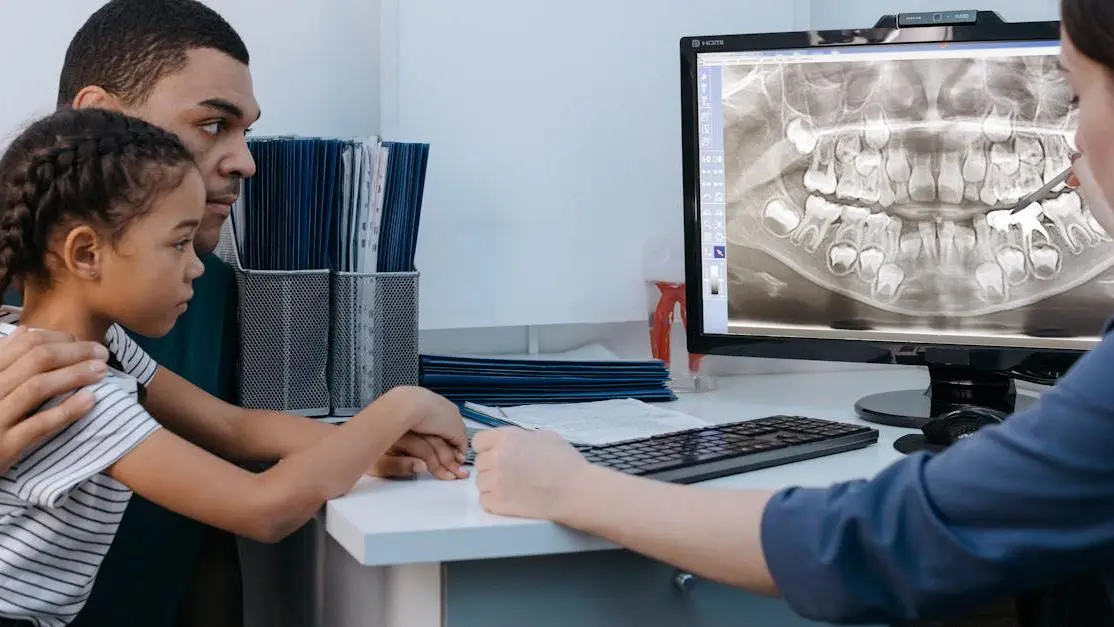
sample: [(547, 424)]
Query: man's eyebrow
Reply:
[(226, 107)]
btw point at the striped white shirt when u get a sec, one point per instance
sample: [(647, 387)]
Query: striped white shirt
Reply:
[(58, 510)]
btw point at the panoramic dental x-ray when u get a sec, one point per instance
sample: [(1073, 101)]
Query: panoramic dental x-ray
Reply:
[(894, 187)]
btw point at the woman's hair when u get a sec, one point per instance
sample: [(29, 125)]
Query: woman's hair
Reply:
[(1090, 26), (79, 166)]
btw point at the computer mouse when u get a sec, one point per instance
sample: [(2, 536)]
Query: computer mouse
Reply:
[(949, 427)]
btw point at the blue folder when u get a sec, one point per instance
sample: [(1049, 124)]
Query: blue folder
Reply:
[(501, 382)]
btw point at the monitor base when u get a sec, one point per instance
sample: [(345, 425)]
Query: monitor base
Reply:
[(950, 388)]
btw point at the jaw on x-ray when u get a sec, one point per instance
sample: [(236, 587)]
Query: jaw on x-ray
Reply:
[(889, 183)]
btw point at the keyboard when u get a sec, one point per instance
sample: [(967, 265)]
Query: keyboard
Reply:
[(729, 448)]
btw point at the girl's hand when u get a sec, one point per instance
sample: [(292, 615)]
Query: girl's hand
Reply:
[(414, 454), (437, 416)]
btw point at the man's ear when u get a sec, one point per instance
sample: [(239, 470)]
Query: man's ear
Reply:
[(83, 253), (97, 98)]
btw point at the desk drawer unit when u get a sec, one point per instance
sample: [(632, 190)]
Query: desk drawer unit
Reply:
[(613, 588)]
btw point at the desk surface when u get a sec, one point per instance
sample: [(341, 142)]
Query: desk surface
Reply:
[(383, 523)]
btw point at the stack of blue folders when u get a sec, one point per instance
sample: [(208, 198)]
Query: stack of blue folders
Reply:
[(505, 382), (337, 204)]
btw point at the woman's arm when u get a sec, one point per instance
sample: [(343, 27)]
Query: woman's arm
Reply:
[(1015, 507), (268, 506), (714, 533)]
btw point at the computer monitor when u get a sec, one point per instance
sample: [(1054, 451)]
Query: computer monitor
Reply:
[(847, 196)]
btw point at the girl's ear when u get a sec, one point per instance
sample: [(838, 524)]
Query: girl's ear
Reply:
[(83, 253)]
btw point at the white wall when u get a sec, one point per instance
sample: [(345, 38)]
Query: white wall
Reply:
[(315, 64), (555, 133)]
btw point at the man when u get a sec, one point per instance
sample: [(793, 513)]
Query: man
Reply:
[(177, 64)]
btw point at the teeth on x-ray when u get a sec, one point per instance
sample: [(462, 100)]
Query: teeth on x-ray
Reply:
[(906, 172)]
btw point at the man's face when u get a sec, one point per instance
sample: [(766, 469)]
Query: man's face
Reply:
[(210, 105)]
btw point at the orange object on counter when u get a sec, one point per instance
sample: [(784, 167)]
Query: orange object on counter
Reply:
[(661, 323)]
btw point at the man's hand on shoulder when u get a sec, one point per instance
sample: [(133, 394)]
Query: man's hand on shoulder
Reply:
[(35, 366), (529, 474)]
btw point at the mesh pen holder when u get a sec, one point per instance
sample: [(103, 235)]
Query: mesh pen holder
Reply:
[(284, 339), (374, 341)]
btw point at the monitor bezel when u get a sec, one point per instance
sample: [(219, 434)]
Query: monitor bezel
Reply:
[(987, 28)]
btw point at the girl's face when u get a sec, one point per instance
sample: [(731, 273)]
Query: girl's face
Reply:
[(146, 277), (1094, 137)]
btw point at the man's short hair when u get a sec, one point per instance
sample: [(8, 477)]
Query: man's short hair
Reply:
[(127, 46)]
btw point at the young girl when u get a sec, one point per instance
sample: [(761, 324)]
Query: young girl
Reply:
[(97, 215)]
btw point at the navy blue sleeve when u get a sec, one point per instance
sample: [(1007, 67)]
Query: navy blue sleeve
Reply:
[(1013, 507)]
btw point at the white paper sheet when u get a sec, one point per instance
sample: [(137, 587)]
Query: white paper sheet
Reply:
[(597, 423), (588, 352)]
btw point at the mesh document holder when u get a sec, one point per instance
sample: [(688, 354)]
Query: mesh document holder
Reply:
[(374, 342), (284, 339)]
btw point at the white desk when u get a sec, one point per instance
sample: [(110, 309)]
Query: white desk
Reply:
[(389, 549)]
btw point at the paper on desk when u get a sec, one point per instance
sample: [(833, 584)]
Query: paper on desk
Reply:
[(588, 353), (596, 423)]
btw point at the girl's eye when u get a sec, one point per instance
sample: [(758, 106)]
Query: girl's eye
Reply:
[(181, 245)]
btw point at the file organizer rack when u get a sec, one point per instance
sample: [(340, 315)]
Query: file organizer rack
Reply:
[(284, 338), (374, 344), (322, 343)]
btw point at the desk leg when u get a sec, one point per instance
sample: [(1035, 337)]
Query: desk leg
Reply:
[(308, 580), (414, 597), (392, 596)]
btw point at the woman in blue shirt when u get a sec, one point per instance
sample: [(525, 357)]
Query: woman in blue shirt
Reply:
[(1019, 506)]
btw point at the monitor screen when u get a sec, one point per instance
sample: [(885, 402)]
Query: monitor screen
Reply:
[(864, 192)]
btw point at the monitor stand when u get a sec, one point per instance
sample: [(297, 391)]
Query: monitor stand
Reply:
[(950, 387)]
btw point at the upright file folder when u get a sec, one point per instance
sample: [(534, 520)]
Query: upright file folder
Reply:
[(347, 205)]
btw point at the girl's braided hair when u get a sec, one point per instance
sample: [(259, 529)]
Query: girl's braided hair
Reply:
[(90, 166)]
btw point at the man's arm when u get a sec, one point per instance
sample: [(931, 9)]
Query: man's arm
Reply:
[(35, 366), (225, 429), (1012, 508), (242, 434)]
